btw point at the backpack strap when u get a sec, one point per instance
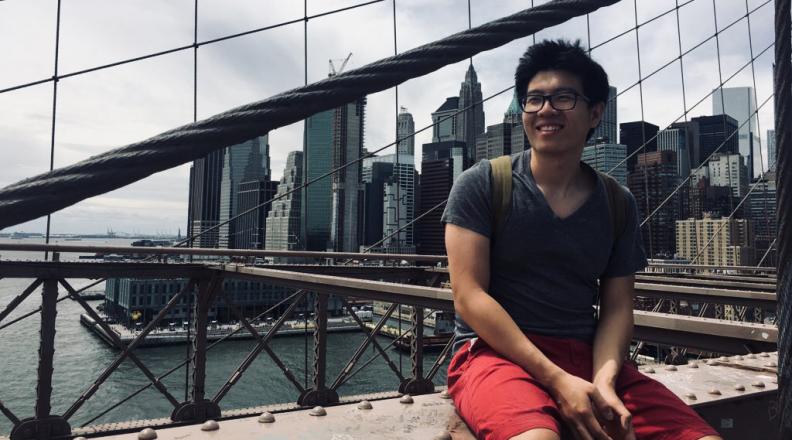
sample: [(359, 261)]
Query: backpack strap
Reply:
[(617, 204), (501, 191)]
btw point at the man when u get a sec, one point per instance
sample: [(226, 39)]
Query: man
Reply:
[(540, 363)]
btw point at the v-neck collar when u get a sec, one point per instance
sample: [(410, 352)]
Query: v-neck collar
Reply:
[(541, 196)]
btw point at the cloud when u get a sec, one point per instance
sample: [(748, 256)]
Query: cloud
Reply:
[(113, 107)]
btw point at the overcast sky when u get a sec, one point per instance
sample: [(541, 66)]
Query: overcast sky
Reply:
[(117, 106)]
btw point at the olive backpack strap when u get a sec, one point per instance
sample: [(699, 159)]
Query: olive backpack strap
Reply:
[(617, 204), (501, 191)]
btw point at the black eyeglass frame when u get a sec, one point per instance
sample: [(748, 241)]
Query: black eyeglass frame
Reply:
[(550, 97)]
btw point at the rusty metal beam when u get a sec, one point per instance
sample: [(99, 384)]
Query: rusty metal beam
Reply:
[(19, 298), (216, 252), (703, 294), (46, 349), (726, 284), (58, 270)]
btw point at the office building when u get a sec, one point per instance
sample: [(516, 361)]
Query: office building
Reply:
[(607, 158), (495, 142), (654, 179), (253, 205), (243, 162), (606, 130), (441, 164), (729, 170), (513, 117), (405, 130), (740, 104), (375, 173), (317, 198), (470, 123), (676, 139), (400, 175), (729, 241), (347, 187), (637, 135), (445, 121), (760, 209), (284, 220), (203, 212), (715, 134)]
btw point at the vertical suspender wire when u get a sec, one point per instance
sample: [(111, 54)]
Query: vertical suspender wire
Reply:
[(758, 126), (395, 172), (397, 168), (54, 114), (534, 34), (723, 105), (643, 126), (782, 88), (304, 207), (688, 145), (195, 118), (588, 41)]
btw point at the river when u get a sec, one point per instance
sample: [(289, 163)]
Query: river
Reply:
[(80, 357)]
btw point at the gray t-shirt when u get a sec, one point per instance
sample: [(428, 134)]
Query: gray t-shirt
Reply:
[(544, 270)]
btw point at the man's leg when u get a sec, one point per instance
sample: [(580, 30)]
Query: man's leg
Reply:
[(657, 412), (539, 434)]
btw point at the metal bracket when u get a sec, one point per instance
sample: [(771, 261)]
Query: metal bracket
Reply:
[(196, 411), (44, 428), (321, 397)]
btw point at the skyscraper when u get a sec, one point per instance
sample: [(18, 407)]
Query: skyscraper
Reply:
[(445, 123), (251, 227), (441, 164), (283, 220), (495, 142), (317, 200), (606, 157), (243, 162), (676, 139), (714, 134), (654, 178), (347, 148), (634, 135), (380, 180), (740, 104), (608, 124), (470, 124), (405, 126), (204, 199), (376, 171), (513, 117), (729, 170)]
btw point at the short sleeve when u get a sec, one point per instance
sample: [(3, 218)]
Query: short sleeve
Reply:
[(628, 254), (469, 204)]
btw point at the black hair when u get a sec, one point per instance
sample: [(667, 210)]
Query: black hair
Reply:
[(566, 56)]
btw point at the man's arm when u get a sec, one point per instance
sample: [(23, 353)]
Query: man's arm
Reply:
[(612, 339), (469, 270)]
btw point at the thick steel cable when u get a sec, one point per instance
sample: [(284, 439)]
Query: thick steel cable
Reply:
[(186, 47), (49, 192), (782, 87), (723, 101)]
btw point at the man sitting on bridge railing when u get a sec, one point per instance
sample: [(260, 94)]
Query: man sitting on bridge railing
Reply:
[(541, 363)]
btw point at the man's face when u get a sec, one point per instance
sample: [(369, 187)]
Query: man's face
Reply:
[(554, 131)]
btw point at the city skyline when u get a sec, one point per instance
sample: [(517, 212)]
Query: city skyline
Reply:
[(156, 95)]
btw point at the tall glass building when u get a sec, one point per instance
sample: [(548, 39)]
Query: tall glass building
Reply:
[(317, 201), (283, 221), (606, 157)]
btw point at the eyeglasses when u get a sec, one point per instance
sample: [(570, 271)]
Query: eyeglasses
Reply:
[(562, 101)]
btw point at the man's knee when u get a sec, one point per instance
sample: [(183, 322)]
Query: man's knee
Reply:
[(537, 434)]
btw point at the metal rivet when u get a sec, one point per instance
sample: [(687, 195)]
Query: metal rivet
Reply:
[(147, 434), (712, 362), (739, 387), (714, 392), (671, 368), (772, 364), (693, 365), (764, 355), (758, 384), (364, 404), (266, 417), (445, 435), (79, 438), (649, 370), (210, 425), (723, 359), (751, 356), (406, 399), (445, 395), (740, 358), (318, 411), (690, 396)]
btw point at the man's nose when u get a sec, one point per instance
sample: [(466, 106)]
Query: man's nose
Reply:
[(546, 107)]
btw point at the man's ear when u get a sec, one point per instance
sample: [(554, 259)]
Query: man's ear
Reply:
[(596, 113)]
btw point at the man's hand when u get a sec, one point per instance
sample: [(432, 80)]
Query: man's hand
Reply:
[(582, 406), (620, 426)]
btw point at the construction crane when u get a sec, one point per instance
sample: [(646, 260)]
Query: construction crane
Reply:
[(333, 70)]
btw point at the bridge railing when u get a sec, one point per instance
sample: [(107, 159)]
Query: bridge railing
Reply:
[(417, 288)]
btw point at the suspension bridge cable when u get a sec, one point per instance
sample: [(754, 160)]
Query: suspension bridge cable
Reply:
[(49, 192), (54, 115)]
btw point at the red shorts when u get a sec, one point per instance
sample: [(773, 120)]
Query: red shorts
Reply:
[(499, 399)]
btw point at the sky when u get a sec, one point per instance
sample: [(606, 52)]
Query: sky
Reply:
[(109, 108)]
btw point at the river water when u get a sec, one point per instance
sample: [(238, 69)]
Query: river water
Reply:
[(80, 357)]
